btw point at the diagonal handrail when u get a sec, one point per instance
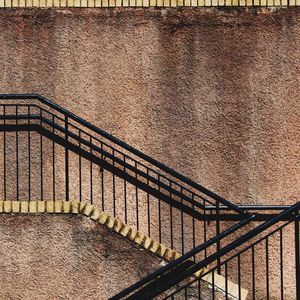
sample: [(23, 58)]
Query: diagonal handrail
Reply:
[(172, 172), (161, 288)]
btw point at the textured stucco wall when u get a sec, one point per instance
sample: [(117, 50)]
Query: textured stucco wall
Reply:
[(66, 257), (214, 94)]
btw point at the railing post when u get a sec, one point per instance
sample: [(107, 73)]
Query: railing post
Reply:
[(297, 253)]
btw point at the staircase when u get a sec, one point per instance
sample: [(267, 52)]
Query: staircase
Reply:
[(52, 159)]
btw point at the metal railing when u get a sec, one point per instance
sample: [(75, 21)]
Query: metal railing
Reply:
[(48, 153)]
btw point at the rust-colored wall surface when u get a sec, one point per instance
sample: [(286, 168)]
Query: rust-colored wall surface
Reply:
[(214, 94), (66, 257)]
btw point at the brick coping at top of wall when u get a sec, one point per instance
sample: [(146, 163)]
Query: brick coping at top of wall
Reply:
[(125, 230), (146, 3)]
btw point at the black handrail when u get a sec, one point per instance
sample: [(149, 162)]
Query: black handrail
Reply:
[(215, 256), (183, 258), (124, 145)]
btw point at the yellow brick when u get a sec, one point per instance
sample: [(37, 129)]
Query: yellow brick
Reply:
[(161, 250), (97, 3), (84, 3), (67, 207), (125, 230), (49, 3), (166, 3), (118, 3), (132, 233), (146, 3), (103, 217), (7, 206), (220, 281), (35, 3), (70, 3), (152, 3), (81, 206), (125, 3), (15, 3), (16, 206), (214, 3), (41, 206), (249, 2), (88, 208), (111, 3), (2, 3), (77, 3), (56, 3), (58, 206), (235, 2), (8, 3), (22, 3), (1, 206), (199, 273), (49, 206), (292, 2), (177, 255), (270, 2), (110, 222), (33, 206), (147, 242), (117, 225), (131, 2), (180, 2), (24, 206), (139, 3), (227, 2), (154, 247), (169, 255), (139, 238), (95, 214), (29, 3), (74, 207), (42, 3), (207, 2), (63, 3)]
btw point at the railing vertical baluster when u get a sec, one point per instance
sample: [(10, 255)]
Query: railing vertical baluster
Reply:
[(297, 254), (67, 158), (182, 225), (4, 155), (29, 156), (102, 180), (17, 154), (239, 277), (193, 227), (159, 213), (53, 161), (226, 280), (148, 207), (171, 219), (80, 169), (213, 285), (281, 264), (267, 268), (114, 185), (41, 158), (217, 233), (137, 201), (253, 272), (125, 192), (91, 171)]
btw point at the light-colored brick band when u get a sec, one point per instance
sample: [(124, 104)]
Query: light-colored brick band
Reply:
[(147, 3), (125, 230)]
